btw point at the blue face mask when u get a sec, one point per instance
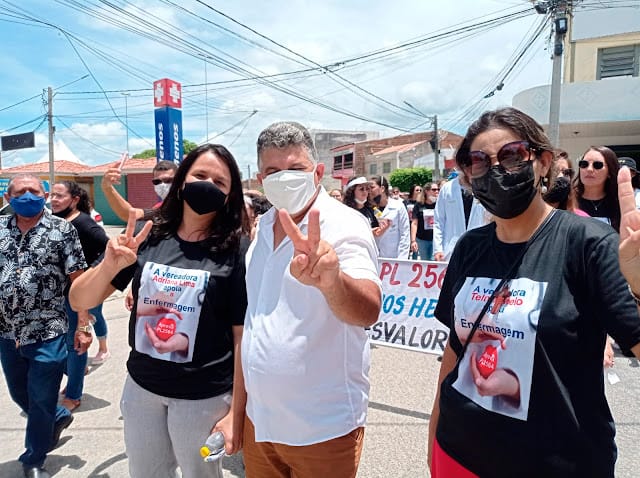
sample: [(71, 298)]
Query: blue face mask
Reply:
[(27, 205)]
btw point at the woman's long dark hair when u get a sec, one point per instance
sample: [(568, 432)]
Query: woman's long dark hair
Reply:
[(84, 205), (229, 222), (610, 185)]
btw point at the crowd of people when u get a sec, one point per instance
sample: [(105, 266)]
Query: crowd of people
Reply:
[(249, 309)]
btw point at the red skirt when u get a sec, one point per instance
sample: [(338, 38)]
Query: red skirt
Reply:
[(443, 466)]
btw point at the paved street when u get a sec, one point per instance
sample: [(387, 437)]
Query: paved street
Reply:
[(401, 399)]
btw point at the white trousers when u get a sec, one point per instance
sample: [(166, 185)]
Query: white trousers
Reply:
[(162, 434)]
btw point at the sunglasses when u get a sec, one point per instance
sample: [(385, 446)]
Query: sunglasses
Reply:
[(511, 157), (567, 173), (434, 189), (155, 182), (584, 164)]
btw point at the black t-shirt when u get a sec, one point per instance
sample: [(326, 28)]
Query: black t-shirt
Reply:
[(92, 236), (597, 209), (423, 213), (209, 291), (567, 294), (370, 214), (409, 204)]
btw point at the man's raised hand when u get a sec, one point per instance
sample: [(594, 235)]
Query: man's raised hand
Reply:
[(314, 260)]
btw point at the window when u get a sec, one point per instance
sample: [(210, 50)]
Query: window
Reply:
[(343, 161), (373, 169), (348, 160), (386, 168), (618, 61)]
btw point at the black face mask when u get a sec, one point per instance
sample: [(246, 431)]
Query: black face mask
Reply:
[(64, 213), (559, 193), (203, 197), (506, 195), (377, 199)]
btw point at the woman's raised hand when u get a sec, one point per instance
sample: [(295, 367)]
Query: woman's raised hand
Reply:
[(122, 250)]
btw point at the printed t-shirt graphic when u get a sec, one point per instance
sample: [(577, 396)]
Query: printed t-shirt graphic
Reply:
[(427, 216), (501, 352), (174, 297)]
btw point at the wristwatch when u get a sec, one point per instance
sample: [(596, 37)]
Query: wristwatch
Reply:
[(84, 328)]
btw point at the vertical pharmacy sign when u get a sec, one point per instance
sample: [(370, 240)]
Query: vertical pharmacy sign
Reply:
[(167, 100)]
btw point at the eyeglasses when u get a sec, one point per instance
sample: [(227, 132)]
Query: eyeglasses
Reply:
[(584, 164), (567, 173), (511, 157), (155, 182)]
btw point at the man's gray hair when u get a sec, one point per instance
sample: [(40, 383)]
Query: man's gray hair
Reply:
[(287, 133), (24, 175)]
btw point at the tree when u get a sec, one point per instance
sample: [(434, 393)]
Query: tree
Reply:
[(404, 178), (187, 147)]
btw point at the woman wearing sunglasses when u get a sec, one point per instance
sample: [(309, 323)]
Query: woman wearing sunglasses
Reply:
[(596, 187), (356, 196), (422, 222), (528, 300), (561, 193)]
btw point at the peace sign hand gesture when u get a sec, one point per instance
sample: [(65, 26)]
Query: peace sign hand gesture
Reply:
[(314, 261), (629, 251), (122, 250)]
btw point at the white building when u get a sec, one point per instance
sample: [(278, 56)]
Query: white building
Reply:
[(600, 94)]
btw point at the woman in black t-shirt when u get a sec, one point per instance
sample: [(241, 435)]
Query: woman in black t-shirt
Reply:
[(422, 222), (69, 201), (596, 185), (529, 300), (186, 327), (356, 196)]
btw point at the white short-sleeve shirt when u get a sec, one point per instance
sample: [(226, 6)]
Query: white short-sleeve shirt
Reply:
[(305, 371)]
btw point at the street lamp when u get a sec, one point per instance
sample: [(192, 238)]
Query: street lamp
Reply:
[(126, 117)]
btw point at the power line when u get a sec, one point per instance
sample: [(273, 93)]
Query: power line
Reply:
[(110, 151)]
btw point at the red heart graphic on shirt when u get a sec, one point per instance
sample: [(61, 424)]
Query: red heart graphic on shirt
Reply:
[(165, 328), (488, 361)]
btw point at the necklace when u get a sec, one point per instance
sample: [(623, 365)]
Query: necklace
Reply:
[(595, 204)]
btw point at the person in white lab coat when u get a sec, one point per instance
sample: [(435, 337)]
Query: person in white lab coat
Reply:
[(456, 212), (395, 241)]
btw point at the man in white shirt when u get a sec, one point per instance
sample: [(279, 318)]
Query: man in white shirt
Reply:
[(312, 286), (456, 212)]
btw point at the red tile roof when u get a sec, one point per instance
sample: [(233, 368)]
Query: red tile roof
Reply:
[(60, 167), (69, 168), (401, 148)]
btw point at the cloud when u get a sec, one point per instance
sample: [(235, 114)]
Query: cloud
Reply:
[(438, 78)]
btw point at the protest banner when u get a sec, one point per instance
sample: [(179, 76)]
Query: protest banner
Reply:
[(410, 294)]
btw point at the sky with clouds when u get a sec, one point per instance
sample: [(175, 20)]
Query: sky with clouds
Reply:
[(332, 64)]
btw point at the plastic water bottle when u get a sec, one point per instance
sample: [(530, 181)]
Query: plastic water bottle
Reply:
[(213, 448)]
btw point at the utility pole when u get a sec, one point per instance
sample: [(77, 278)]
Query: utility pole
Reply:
[(206, 102), (51, 131), (126, 117), (248, 176), (436, 149), (435, 140), (561, 11)]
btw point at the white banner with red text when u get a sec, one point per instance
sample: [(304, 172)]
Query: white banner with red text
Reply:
[(410, 291)]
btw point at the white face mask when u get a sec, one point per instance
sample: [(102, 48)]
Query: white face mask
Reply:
[(360, 201), (290, 190), (162, 190)]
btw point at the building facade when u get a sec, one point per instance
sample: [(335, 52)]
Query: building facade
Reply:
[(600, 94)]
